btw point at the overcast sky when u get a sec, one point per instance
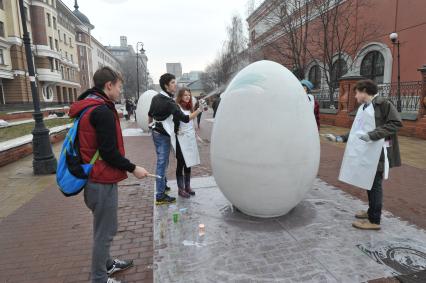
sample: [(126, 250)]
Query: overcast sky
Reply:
[(187, 31)]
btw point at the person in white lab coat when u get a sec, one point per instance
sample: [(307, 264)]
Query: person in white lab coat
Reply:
[(186, 145), (372, 148)]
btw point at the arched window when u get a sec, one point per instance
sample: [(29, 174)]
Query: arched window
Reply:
[(373, 66), (314, 76), (338, 69)]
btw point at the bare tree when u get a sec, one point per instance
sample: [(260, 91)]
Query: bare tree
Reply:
[(232, 57), (288, 22), (337, 32), (128, 65)]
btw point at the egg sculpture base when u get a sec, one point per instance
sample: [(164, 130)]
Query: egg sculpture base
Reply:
[(143, 107), (265, 146)]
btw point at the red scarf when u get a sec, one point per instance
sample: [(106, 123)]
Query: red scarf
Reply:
[(186, 105)]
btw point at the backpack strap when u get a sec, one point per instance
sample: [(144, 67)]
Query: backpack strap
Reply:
[(95, 157)]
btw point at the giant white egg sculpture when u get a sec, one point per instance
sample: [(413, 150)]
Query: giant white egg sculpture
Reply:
[(143, 107), (265, 147)]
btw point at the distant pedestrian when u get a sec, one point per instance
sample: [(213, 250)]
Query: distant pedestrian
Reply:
[(372, 148), (129, 108), (99, 132)]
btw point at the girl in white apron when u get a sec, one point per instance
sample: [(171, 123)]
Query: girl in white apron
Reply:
[(186, 145)]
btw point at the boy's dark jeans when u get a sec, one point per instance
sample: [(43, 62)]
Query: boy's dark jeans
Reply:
[(375, 199)]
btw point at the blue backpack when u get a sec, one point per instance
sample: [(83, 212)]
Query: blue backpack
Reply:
[(71, 174)]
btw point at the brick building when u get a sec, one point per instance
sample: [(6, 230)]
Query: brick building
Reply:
[(62, 48), (376, 58)]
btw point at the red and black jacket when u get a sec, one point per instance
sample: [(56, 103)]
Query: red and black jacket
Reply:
[(100, 129)]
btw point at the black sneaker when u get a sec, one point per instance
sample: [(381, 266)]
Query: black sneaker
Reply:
[(165, 200), (118, 265), (167, 189)]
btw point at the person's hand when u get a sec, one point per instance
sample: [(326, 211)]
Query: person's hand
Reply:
[(151, 125), (202, 106), (365, 137), (331, 137), (140, 172)]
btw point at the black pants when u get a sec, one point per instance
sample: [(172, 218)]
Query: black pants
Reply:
[(375, 199), (181, 166), (199, 119)]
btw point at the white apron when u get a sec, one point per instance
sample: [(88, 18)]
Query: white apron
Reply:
[(169, 127), (188, 142), (359, 165), (311, 101)]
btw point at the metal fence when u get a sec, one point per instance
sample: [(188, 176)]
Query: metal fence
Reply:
[(323, 97), (410, 95)]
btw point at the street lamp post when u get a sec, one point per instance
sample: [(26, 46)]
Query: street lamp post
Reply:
[(44, 161), (394, 38), (137, 64)]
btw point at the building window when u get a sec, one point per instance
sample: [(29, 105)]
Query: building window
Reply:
[(72, 59), (373, 66), (47, 93), (56, 45), (66, 55), (54, 23), (338, 69), (1, 57), (48, 20), (51, 64), (59, 35), (1, 5), (70, 41), (51, 42), (65, 38), (81, 52), (1, 29), (79, 37), (56, 65), (314, 76)]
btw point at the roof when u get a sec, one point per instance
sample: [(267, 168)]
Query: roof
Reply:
[(82, 17)]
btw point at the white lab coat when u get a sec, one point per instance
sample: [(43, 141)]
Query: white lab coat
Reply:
[(361, 158), (188, 142)]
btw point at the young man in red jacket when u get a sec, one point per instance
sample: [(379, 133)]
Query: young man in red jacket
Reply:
[(99, 129)]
